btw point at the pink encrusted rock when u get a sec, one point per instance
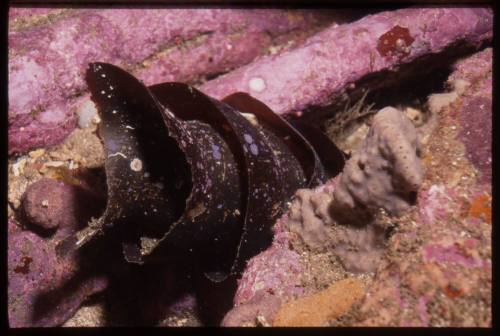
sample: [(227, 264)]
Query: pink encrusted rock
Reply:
[(318, 71), (46, 67), (437, 271), (15, 13), (476, 115), (23, 18), (437, 204), (475, 109), (44, 290), (453, 254), (50, 204), (476, 71), (208, 54), (276, 271), (13, 226), (262, 308), (47, 61), (146, 31)]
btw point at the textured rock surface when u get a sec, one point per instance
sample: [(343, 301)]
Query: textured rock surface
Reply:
[(437, 269), (276, 270), (261, 309), (275, 275), (281, 273), (475, 109), (338, 56), (44, 290), (81, 150), (318, 309), (22, 18), (47, 60), (386, 172), (434, 276), (50, 204)]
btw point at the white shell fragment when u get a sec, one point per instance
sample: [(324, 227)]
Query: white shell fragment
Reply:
[(136, 165), (86, 112)]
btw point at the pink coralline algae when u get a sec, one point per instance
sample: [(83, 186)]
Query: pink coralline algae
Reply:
[(436, 206), (30, 14), (450, 254), (44, 290), (50, 204), (437, 271), (437, 267), (332, 59), (276, 271), (437, 200), (261, 308), (47, 60), (270, 278), (475, 109)]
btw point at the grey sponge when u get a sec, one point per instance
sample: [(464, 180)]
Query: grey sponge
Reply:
[(386, 172)]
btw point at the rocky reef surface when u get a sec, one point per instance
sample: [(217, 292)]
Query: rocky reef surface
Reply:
[(430, 266), (402, 237), (49, 52)]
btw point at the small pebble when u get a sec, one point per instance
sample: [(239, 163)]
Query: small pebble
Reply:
[(36, 153), (18, 167), (53, 164), (96, 120)]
